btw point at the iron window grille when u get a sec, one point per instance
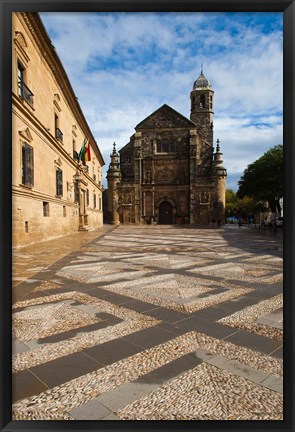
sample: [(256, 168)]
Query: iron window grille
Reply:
[(27, 165), (45, 209), (59, 183), (76, 192), (58, 134), (25, 93)]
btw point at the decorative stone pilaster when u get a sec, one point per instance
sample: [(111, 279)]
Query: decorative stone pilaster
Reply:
[(219, 173), (138, 176), (81, 185), (113, 178)]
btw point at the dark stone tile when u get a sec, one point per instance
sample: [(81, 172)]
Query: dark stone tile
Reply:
[(238, 303), (113, 321), (117, 299), (254, 342), (170, 370), (25, 384), (212, 292), (260, 295), (111, 352), (33, 295), (56, 338), (211, 313), (278, 353), (64, 369), (267, 291), (91, 290), (140, 306), (150, 337), (168, 315), (95, 291), (171, 328), (95, 326), (205, 326), (104, 316), (71, 333), (19, 292)]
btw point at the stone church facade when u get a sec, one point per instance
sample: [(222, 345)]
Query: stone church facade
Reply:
[(169, 171)]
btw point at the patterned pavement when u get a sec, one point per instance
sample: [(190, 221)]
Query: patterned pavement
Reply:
[(150, 323)]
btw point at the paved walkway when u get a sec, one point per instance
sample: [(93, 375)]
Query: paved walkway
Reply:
[(33, 258), (135, 323)]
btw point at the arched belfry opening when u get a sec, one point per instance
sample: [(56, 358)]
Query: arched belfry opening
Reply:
[(202, 101)]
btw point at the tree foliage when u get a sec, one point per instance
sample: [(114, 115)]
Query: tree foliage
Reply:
[(263, 179), (241, 207)]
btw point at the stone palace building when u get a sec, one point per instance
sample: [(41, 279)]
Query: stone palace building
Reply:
[(169, 171), (53, 193)]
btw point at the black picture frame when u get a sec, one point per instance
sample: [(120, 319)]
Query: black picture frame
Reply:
[(288, 9)]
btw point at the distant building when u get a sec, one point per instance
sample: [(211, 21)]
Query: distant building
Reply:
[(53, 194), (169, 172)]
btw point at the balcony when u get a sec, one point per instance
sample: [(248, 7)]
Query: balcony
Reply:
[(58, 134), (25, 93)]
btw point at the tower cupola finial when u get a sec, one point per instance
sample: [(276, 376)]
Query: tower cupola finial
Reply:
[(218, 146), (202, 83)]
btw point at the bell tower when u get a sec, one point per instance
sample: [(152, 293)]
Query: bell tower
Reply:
[(202, 107)]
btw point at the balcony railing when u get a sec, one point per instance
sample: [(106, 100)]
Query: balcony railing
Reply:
[(58, 134), (26, 93)]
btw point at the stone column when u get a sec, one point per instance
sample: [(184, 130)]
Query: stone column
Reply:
[(220, 174), (114, 178)]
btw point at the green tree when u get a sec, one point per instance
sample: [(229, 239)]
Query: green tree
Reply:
[(240, 207), (263, 179), (231, 203)]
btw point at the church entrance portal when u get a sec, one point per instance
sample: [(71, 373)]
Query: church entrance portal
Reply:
[(165, 213)]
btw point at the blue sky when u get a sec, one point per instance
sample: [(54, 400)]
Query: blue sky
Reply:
[(123, 66)]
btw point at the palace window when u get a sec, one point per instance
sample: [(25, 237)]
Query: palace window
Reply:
[(23, 90), (45, 209), (27, 165), (87, 197), (76, 192), (58, 132), (94, 200), (59, 184), (75, 153)]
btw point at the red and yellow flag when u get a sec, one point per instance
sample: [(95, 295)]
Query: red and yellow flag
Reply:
[(84, 154)]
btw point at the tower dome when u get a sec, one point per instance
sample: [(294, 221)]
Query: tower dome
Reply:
[(201, 82)]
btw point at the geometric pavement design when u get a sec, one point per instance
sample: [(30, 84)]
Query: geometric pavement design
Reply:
[(154, 323), (200, 280), (57, 402)]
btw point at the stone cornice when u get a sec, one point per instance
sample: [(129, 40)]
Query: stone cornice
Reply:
[(31, 193), (42, 40)]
